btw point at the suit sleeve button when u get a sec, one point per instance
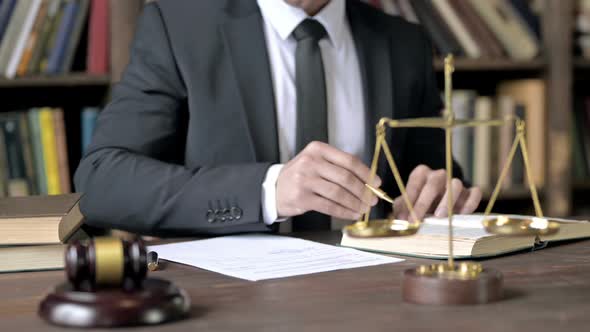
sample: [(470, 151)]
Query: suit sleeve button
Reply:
[(220, 215), (236, 212), (210, 216)]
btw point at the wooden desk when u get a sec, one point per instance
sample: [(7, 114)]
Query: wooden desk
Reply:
[(548, 290)]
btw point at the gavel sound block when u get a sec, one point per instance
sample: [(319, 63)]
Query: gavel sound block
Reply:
[(107, 287)]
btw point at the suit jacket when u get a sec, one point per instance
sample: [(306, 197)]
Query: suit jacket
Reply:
[(185, 143)]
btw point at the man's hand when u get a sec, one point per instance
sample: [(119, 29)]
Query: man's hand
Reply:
[(324, 179), (426, 190)]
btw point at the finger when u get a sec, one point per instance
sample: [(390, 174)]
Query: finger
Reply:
[(345, 160), (339, 195), (456, 188), (461, 201), (328, 207), (432, 190), (472, 202), (347, 180), (416, 182)]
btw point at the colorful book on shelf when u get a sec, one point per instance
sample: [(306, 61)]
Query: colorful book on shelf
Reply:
[(482, 144), (12, 33), (87, 124), (531, 94), (517, 39), (37, 147), (17, 178), (34, 64), (32, 38), (73, 42), (23, 36), (58, 52), (442, 38), (98, 38), (457, 28), (62, 152), (52, 37), (28, 157), (470, 239), (49, 144)]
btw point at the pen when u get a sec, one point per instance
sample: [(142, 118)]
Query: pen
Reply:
[(152, 261)]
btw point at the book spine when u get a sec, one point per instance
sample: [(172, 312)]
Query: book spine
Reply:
[(12, 34), (98, 38), (49, 151), (74, 40), (62, 151), (442, 38), (57, 56), (43, 37), (22, 38), (37, 145), (88, 119), (457, 27), (33, 38), (25, 137), (17, 182), (482, 155), (506, 106), (52, 38)]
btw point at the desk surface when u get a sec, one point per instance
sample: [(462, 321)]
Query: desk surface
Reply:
[(547, 290)]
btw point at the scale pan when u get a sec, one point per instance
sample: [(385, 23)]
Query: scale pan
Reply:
[(505, 225), (382, 228)]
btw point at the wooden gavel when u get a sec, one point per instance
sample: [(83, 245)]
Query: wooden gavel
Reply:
[(106, 262)]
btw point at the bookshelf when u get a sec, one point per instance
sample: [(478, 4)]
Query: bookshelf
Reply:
[(557, 67)]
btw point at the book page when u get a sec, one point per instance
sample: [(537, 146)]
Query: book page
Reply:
[(259, 256)]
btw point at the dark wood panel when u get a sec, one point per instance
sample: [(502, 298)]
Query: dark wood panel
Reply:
[(547, 290)]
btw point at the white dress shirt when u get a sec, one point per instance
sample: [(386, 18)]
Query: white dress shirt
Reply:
[(346, 114)]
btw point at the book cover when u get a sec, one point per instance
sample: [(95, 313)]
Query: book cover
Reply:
[(23, 36), (37, 146), (33, 38), (98, 38), (49, 144), (58, 53), (74, 40), (62, 152)]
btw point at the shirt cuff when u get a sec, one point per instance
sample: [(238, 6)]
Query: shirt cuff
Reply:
[(269, 195)]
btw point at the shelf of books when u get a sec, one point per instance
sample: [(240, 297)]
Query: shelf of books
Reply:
[(54, 76)]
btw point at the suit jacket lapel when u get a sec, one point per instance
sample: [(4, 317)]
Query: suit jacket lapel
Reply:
[(245, 41)]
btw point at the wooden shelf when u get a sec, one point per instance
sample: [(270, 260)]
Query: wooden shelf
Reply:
[(464, 64), (69, 80)]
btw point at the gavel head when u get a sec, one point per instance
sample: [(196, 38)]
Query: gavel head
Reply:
[(106, 262)]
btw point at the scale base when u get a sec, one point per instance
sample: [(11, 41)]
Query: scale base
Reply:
[(157, 302), (435, 284)]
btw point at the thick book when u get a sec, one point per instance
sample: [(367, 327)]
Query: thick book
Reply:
[(457, 27), (442, 38), (12, 33), (519, 42), (48, 141), (73, 42), (23, 37), (531, 94), (60, 47), (33, 38), (98, 38), (31, 258), (36, 220), (470, 239)]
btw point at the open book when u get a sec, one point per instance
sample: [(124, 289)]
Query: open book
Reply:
[(470, 240)]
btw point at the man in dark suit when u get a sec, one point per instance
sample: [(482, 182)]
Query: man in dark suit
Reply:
[(235, 115)]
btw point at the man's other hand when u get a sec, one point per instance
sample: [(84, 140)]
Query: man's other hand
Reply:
[(324, 179), (426, 190)]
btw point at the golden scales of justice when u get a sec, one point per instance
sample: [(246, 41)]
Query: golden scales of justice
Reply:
[(450, 282)]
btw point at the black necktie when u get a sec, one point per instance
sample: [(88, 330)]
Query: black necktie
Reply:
[(312, 118)]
